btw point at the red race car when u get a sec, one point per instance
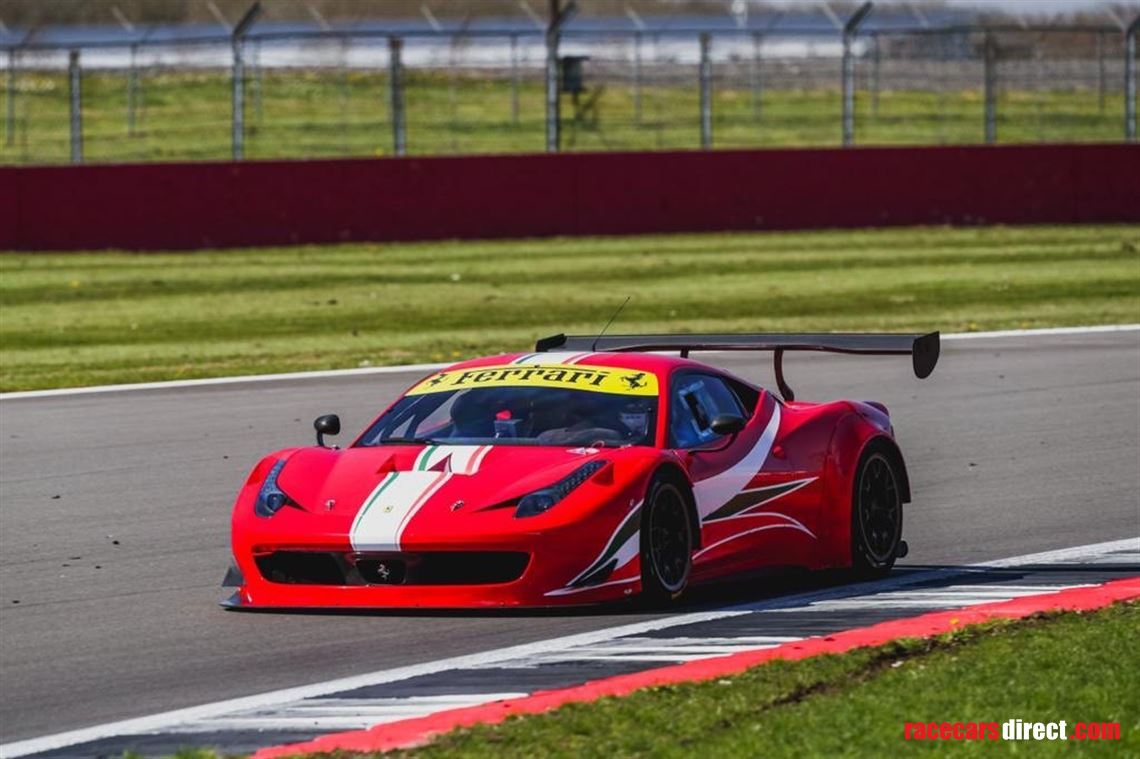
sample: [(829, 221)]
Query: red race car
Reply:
[(593, 469)]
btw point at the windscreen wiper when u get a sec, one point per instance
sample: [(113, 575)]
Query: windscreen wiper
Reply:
[(407, 441)]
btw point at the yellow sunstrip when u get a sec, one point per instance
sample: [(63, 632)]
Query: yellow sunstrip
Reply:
[(598, 379)]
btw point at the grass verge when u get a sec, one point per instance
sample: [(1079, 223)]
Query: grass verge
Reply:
[(1078, 667), (331, 113), (106, 317)]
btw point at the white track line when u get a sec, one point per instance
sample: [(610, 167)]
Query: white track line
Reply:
[(425, 368), (167, 720), (174, 384), (1045, 331)]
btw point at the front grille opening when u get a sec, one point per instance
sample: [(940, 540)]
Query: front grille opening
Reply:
[(467, 567), (303, 568), (424, 568)]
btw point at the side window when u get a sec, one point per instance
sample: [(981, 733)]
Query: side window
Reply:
[(747, 396), (696, 400)]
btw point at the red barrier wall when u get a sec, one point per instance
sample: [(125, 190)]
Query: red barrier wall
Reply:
[(179, 206)]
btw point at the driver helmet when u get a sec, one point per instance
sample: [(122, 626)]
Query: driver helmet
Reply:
[(635, 416), (472, 415)]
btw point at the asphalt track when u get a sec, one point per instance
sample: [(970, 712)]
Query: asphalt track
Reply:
[(114, 517)]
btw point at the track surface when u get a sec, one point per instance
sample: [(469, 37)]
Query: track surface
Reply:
[(1014, 445)]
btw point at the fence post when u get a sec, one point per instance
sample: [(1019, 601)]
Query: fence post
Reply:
[(877, 63), (553, 137), (453, 93), (989, 58), (558, 16), (637, 36), (132, 90), (1101, 74), (237, 78), (396, 95), (10, 137), (1130, 80), (237, 40), (848, 74), (515, 79), (342, 80), (706, 91), (849, 30), (552, 126), (75, 82), (256, 63), (755, 80)]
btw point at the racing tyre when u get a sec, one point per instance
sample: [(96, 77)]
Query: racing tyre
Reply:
[(666, 543), (876, 515)]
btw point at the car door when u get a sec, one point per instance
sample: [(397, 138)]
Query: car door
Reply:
[(754, 506)]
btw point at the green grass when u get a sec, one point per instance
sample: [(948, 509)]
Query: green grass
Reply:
[(106, 317), (1072, 667), (314, 114)]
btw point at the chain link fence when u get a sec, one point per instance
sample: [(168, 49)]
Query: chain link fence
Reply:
[(371, 93)]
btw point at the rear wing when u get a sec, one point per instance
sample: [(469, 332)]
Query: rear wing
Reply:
[(923, 349)]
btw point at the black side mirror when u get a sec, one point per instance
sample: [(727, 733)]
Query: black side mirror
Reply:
[(726, 424), (723, 425), (328, 424)]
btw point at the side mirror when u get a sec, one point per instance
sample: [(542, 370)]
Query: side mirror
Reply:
[(724, 425), (727, 424), (328, 424)]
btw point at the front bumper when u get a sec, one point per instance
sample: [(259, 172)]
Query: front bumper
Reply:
[(287, 561), (424, 584)]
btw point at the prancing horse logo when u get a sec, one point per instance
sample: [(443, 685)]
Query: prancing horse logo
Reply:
[(635, 381)]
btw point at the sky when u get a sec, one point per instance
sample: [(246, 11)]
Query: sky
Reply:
[(1031, 6), (1022, 6)]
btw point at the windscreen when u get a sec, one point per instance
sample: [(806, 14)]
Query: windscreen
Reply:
[(530, 405)]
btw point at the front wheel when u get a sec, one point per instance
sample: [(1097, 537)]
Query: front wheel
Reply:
[(666, 543), (876, 515)]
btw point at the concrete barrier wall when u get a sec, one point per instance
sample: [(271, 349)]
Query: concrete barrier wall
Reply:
[(199, 205)]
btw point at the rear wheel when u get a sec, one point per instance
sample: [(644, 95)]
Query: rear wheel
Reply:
[(666, 543), (876, 515)]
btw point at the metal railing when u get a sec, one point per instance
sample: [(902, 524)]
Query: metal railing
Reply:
[(253, 94)]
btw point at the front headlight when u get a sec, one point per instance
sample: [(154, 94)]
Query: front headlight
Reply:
[(542, 500), (271, 498)]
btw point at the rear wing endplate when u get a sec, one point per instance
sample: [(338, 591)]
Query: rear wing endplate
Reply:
[(923, 349)]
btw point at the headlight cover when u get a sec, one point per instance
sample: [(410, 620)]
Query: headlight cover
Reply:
[(271, 498), (542, 500)]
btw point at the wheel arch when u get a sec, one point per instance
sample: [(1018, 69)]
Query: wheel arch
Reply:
[(864, 560), (854, 436), (889, 448), (674, 473)]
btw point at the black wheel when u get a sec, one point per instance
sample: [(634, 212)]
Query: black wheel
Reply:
[(666, 543), (876, 515)]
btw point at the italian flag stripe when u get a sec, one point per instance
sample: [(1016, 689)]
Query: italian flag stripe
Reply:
[(384, 483), (424, 457)]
